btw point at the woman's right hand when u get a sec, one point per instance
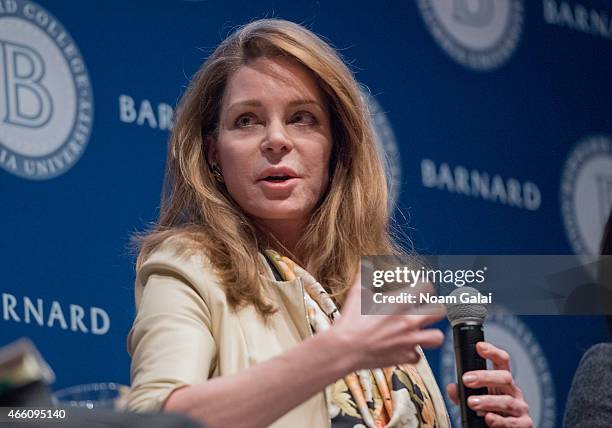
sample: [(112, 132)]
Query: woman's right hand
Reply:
[(384, 340)]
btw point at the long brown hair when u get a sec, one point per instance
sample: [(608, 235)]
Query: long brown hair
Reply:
[(352, 218)]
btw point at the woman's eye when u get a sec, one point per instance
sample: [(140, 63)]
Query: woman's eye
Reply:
[(304, 117), (245, 120)]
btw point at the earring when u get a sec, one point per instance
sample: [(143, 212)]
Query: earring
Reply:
[(217, 173)]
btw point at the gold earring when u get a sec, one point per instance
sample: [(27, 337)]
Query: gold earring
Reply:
[(217, 173)]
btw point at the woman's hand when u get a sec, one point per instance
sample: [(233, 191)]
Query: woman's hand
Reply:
[(505, 405), (383, 340)]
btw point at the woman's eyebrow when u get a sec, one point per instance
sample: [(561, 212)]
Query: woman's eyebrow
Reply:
[(257, 103), (303, 101), (247, 103)]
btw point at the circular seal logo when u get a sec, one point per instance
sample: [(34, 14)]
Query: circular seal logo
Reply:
[(387, 147), (586, 192), (480, 34), (529, 365), (46, 105)]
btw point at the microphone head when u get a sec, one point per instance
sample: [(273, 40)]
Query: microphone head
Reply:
[(459, 311)]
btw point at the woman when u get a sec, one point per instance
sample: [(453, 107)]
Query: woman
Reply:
[(273, 180)]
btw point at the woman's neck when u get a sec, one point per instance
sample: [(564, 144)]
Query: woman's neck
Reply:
[(287, 232)]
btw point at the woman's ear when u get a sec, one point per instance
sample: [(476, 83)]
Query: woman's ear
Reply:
[(212, 158), (211, 150)]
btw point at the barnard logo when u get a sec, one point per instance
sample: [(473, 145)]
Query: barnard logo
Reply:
[(387, 148), (480, 184), (479, 34), (46, 101), (529, 365), (586, 192), (578, 17)]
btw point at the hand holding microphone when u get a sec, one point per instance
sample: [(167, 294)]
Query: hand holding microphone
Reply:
[(487, 397)]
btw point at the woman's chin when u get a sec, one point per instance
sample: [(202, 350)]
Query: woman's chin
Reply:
[(280, 210)]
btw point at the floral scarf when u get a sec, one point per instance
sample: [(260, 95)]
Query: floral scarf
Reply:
[(391, 397)]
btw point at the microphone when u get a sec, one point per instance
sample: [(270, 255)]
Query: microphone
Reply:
[(467, 320)]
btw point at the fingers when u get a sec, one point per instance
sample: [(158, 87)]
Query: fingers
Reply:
[(496, 421), (505, 405), (499, 357), (414, 308), (354, 293), (421, 320), (508, 409), (453, 392), (501, 379), (430, 338), (352, 302), (411, 357)]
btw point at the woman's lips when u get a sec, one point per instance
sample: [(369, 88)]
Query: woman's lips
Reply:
[(279, 185)]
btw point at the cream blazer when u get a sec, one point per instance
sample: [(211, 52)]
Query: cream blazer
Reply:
[(185, 333)]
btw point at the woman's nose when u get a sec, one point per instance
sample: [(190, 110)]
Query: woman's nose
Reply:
[(277, 139)]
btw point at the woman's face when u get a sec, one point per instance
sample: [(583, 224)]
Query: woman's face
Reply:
[(274, 140)]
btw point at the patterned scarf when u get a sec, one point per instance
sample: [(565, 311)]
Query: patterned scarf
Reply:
[(391, 397)]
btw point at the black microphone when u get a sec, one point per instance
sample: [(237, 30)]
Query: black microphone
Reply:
[(466, 320)]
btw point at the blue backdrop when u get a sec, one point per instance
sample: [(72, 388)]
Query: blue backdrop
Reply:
[(494, 115)]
